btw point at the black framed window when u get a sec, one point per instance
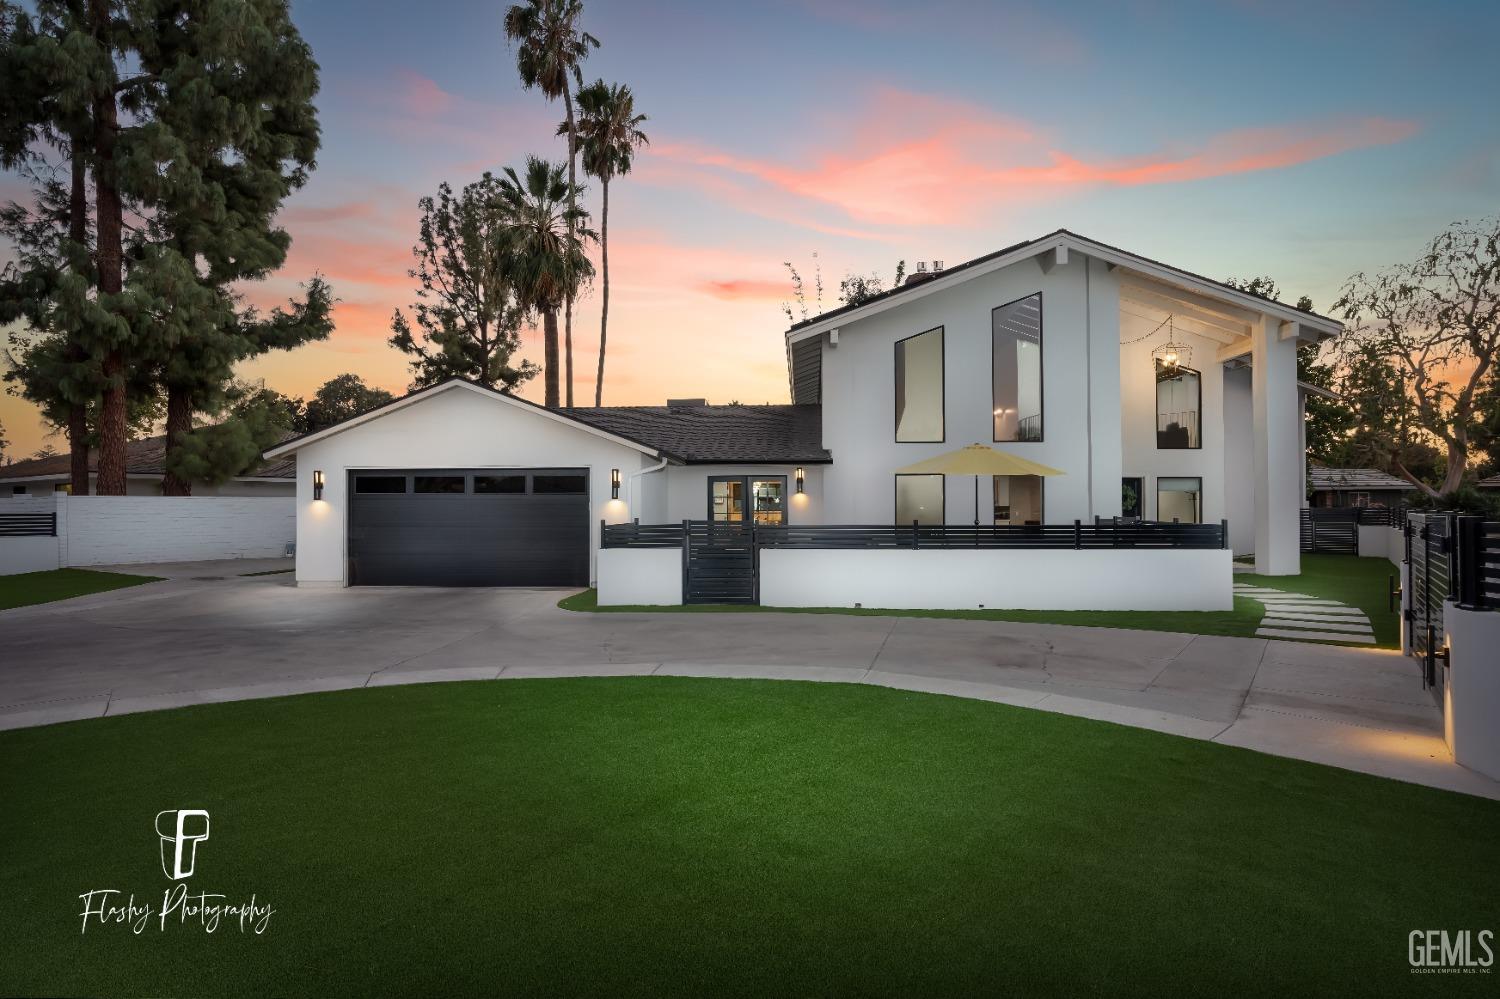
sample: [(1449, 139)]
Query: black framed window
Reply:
[(920, 498), (733, 499), (489, 484), (559, 484), (437, 483), (380, 483), (1179, 406), (1016, 369), (18, 490), (1180, 499), (919, 388)]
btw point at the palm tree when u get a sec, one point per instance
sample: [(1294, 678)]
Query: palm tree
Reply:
[(609, 133), (549, 49), (543, 230)]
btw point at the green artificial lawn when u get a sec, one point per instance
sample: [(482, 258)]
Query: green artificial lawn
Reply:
[(60, 584), (1359, 582), (662, 836)]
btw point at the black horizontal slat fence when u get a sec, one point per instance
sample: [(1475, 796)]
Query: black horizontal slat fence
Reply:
[(1138, 534), (28, 525)]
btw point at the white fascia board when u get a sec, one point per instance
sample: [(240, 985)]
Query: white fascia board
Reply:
[(931, 286), (1321, 327), (293, 446)]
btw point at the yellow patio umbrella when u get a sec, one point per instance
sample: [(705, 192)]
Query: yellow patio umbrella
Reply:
[(978, 460)]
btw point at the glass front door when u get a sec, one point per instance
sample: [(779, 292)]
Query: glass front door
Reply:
[(733, 499)]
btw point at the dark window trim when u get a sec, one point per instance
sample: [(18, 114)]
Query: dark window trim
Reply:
[(786, 499), (1042, 492), (1041, 367), (1197, 478), (1156, 405), (1140, 495), (468, 474), (942, 387), (896, 502)]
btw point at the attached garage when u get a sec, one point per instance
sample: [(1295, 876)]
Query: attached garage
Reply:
[(461, 485), (469, 527)]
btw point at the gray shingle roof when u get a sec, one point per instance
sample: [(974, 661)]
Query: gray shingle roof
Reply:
[(147, 456), (1321, 477), (1493, 482), (699, 435)]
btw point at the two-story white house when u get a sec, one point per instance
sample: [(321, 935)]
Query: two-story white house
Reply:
[(1157, 394)]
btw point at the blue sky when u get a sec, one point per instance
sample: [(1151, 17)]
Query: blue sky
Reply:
[(1302, 140)]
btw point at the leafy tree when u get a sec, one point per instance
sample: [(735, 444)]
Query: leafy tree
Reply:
[(466, 312), (1485, 434), (610, 132), (212, 213), (290, 410), (343, 398), (216, 453), (856, 289), (550, 47), (545, 235), (1437, 321), (45, 451), (4, 444)]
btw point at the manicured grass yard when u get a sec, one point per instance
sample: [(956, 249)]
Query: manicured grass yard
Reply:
[(1359, 582), (668, 836), (60, 584)]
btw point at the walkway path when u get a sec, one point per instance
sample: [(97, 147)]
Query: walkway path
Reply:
[(1297, 617)]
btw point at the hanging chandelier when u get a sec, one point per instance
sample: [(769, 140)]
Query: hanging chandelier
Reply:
[(1171, 356)]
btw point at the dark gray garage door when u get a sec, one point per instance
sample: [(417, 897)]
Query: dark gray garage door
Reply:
[(469, 527)]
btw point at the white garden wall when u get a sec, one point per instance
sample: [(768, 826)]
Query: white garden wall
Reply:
[(1472, 691), (19, 555), (111, 530), (636, 576), (1050, 579)]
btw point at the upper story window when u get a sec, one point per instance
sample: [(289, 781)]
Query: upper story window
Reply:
[(919, 388), (1179, 403), (1017, 342)]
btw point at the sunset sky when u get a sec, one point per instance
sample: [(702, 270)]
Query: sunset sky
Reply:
[(1300, 139)]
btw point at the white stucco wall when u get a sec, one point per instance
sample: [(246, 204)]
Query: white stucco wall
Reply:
[(1238, 460), (1472, 693), (687, 490), (1080, 384), (1011, 579), (454, 428), (19, 555), (640, 576), (109, 530)]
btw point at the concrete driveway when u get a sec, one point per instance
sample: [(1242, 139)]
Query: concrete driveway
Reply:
[(208, 633)]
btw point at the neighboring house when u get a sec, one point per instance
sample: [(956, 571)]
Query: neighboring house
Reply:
[(1133, 378), (145, 464), (1492, 482), (1346, 487)]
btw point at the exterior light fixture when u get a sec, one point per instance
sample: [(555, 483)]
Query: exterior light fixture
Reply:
[(318, 484), (614, 483), (801, 475), (1172, 356)]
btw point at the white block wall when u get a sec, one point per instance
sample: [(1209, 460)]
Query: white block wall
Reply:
[(636, 576), (1472, 691), (111, 530), (1051, 579), (19, 555)]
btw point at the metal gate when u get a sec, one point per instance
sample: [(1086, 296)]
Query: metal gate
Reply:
[(1334, 530), (719, 563), (1429, 551)]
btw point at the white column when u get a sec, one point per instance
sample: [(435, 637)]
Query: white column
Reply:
[(1278, 459)]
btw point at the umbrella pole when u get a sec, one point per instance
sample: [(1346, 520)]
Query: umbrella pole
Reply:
[(976, 501)]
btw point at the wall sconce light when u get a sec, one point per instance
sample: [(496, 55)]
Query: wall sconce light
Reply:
[(801, 475), (318, 484), (614, 483)]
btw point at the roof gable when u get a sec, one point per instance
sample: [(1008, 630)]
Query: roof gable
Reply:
[(290, 447), (1064, 240)]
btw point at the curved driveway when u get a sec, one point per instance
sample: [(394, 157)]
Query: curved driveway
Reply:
[(192, 639)]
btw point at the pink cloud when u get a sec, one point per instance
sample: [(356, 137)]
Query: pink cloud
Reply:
[(737, 289), (419, 95), (913, 160)]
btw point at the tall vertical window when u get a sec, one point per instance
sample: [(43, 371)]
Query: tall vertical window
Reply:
[(1018, 499), (1179, 499), (919, 498), (919, 388), (1179, 401), (1016, 330)]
